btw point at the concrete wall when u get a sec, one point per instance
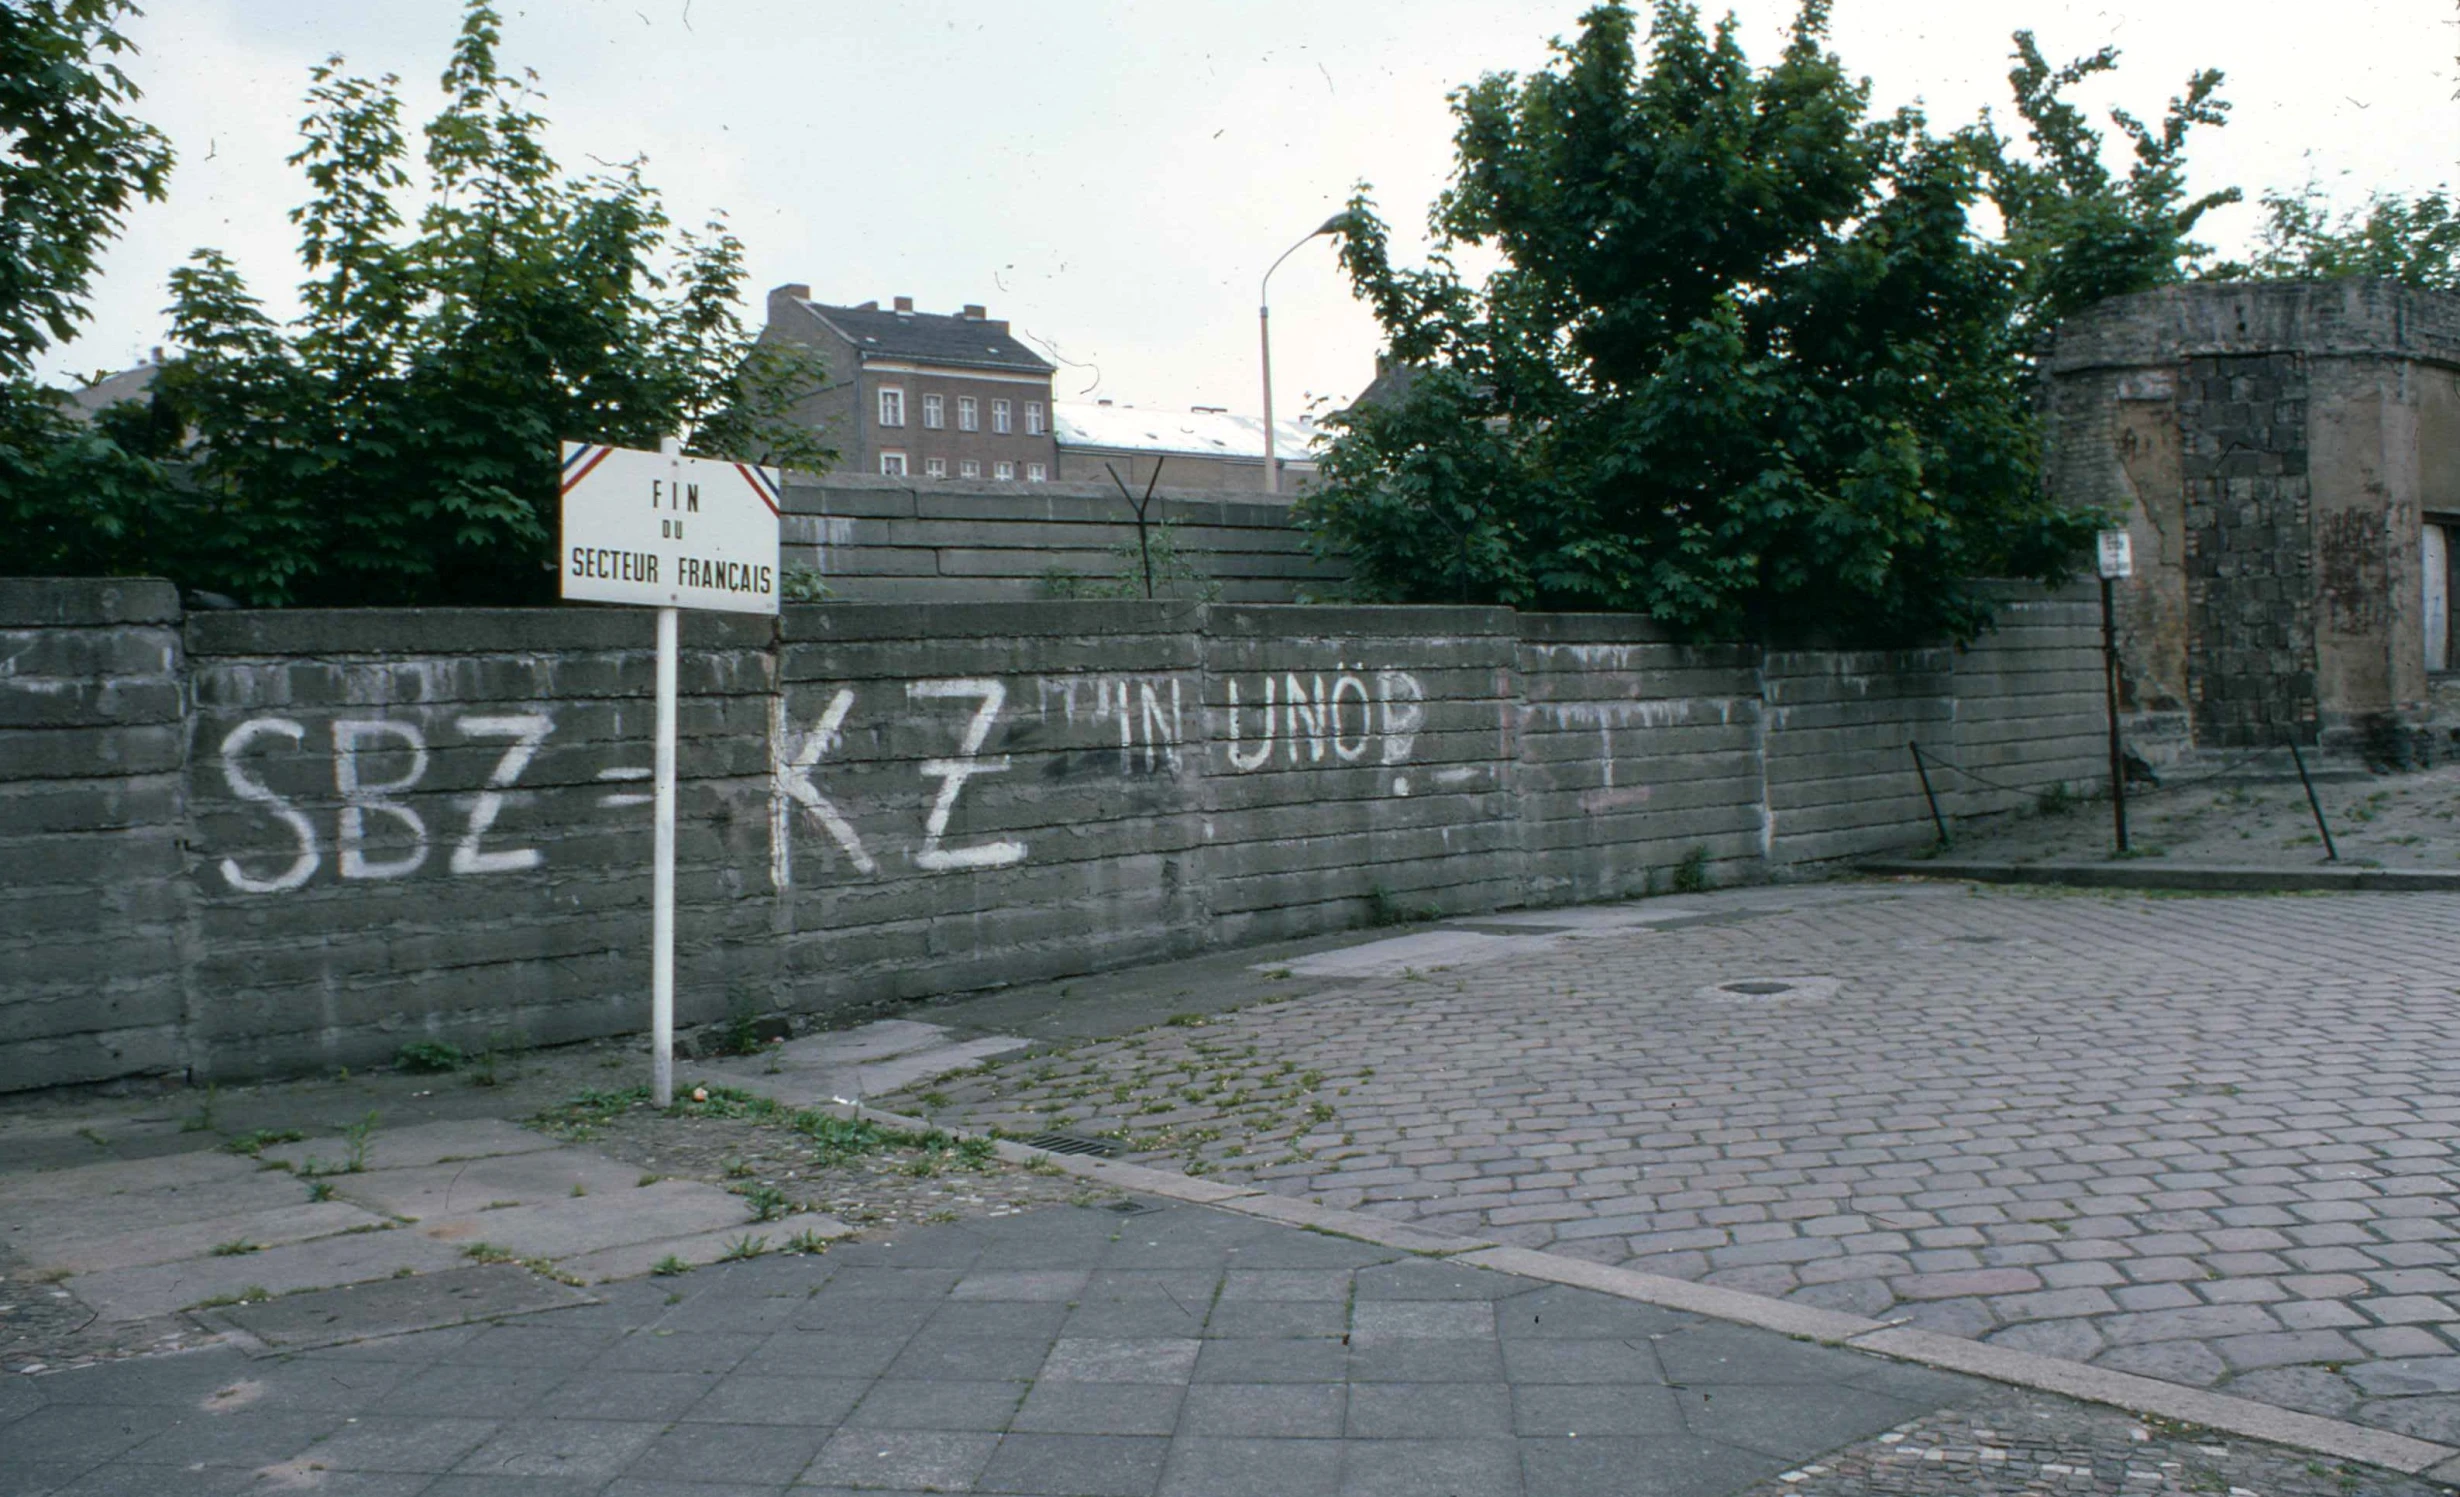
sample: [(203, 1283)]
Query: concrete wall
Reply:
[(246, 844), (886, 540), (2273, 449)]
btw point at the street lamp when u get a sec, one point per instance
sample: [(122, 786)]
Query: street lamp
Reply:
[(1338, 223)]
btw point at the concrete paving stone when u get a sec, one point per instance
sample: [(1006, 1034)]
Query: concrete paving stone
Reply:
[(249, 1437), (198, 1171), (1067, 1465), (1241, 1466), (124, 1294), (1384, 1411), (901, 1459), (753, 1397), (593, 1394), (2076, 1340), (1122, 1360), (2284, 1348), (1001, 1318), (418, 1147), (1285, 1284), (1101, 1409), (91, 1241), (655, 1349), (1589, 1411), (1276, 1319), (852, 1353), (2322, 1315), (474, 1392), (1426, 1359), (938, 1404), (74, 1437), (1641, 1466), (1412, 1467), (1297, 1411), (2408, 1375), (2312, 1390), (2189, 1362), (836, 1315), (392, 1442), (1779, 1421), (1057, 1285), (927, 1355), (1323, 1361)]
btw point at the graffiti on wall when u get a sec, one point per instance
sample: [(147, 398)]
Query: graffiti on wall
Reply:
[(366, 800), (1285, 720)]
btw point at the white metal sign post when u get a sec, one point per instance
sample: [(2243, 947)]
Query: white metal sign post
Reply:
[(670, 532)]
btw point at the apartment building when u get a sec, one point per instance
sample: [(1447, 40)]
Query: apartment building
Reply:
[(922, 394)]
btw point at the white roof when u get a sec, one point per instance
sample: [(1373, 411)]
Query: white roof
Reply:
[(1083, 423)]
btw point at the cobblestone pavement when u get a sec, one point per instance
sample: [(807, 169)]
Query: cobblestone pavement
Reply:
[(1073, 1351), (2001, 1443), (2201, 1139)]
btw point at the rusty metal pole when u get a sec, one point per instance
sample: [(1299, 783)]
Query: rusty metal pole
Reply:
[(2109, 683)]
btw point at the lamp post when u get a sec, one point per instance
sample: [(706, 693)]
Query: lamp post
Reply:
[(1264, 326)]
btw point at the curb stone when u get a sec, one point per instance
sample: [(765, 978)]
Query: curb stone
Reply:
[(2153, 874), (2241, 1417)]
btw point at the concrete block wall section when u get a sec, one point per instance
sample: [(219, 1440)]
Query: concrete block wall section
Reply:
[(92, 820), (268, 843), (917, 540)]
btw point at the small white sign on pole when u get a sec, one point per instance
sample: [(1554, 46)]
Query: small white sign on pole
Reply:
[(670, 532), (2117, 554)]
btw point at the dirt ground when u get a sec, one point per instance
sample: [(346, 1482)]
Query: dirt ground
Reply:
[(2407, 820)]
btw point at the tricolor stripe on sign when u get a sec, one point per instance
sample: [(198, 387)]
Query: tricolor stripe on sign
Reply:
[(762, 484), (583, 459)]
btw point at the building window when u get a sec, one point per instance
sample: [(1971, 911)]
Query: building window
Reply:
[(1035, 472), (2435, 609), (969, 469), (935, 467), (1003, 470), (999, 417), (968, 414), (892, 465), (934, 412), (892, 406), (1033, 418)]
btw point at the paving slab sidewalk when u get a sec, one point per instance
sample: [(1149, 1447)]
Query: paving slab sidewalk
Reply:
[(1164, 1350)]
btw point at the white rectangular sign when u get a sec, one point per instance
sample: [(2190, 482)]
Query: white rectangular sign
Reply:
[(673, 532), (2117, 554)]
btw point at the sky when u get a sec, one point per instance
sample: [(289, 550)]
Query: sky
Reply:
[(1113, 176)]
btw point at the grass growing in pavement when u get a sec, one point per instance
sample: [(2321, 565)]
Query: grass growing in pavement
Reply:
[(832, 1138)]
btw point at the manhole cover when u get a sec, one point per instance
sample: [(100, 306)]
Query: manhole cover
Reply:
[(1075, 1143), (1788, 988)]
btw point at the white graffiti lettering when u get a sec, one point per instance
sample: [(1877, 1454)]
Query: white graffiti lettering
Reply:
[(527, 730), (791, 785), (364, 800), (1244, 761), (1349, 749), (360, 799), (247, 787), (953, 773)]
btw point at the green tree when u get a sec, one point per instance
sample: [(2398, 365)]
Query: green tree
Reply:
[(2398, 237), (1744, 367), (2081, 233), (72, 163), (396, 443)]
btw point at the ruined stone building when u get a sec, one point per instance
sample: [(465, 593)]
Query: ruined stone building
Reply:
[(2286, 457)]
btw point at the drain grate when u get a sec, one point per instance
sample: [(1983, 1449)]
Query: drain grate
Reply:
[(1129, 1206), (1755, 989), (1791, 989), (1075, 1143)]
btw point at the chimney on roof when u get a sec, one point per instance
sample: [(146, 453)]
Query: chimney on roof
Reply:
[(905, 304), (783, 298), (973, 313)]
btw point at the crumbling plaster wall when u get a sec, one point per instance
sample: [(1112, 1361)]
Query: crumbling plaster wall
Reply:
[(2271, 449)]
